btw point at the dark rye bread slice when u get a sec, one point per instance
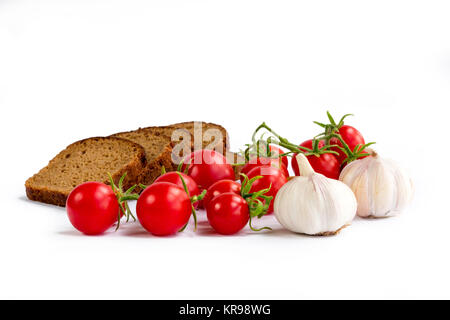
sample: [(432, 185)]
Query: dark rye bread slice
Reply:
[(86, 160), (232, 157), (158, 151), (159, 144), (202, 135)]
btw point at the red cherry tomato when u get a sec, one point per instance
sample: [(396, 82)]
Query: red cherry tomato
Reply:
[(220, 187), (92, 208), (228, 213), (260, 161), (209, 166), (173, 177), (163, 208), (326, 164), (352, 138), (271, 177)]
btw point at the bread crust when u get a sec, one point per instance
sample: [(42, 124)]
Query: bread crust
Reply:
[(46, 196), (154, 168), (133, 169)]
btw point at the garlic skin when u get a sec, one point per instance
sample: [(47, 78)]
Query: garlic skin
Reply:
[(314, 204), (382, 188)]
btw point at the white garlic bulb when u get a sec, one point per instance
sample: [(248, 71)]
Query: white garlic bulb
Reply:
[(314, 204), (382, 188)]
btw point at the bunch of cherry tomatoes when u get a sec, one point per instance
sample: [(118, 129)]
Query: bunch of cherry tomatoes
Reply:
[(206, 180), (166, 206)]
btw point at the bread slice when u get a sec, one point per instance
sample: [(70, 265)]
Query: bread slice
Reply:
[(87, 160), (161, 148), (158, 151)]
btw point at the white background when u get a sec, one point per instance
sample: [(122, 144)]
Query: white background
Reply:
[(75, 69)]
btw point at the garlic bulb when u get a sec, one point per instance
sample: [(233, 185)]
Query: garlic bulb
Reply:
[(382, 188), (314, 204)]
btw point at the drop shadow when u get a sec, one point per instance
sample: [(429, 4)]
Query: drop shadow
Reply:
[(284, 233), (280, 232), (207, 231), (135, 230), (41, 204), (75, 233)]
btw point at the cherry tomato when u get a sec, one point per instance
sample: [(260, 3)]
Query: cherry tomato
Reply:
[(271, 177), (220, 187), (163, 208), (92, 207), (228, 213), (352, 138), (173, 177), (261, 161), (209, 166), (326, 164)]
